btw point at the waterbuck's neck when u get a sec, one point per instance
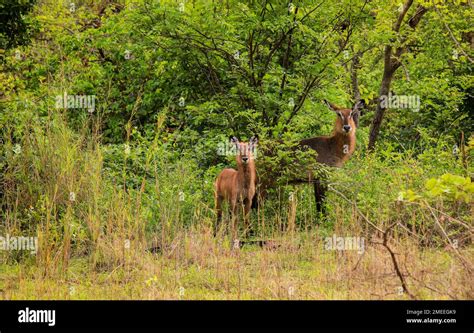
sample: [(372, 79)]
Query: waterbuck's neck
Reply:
[(341, 139), (246, 172), (342, 145)]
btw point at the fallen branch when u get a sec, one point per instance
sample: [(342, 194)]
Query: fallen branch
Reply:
[(394, 260), (385, 234)]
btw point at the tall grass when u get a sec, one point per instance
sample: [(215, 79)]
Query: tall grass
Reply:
[(142, 218)]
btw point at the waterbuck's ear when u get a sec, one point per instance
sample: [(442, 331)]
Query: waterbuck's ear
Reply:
[(358, 106), (233, 139), (355, 117), (254, 140), (331, 106)]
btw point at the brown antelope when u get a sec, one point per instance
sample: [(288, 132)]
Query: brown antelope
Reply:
[(237, 186), (336, 149)]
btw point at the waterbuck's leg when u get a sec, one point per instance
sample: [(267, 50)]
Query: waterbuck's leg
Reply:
[(320, 194), (233, 220), (255, 201), (219, 213), (247, 208)]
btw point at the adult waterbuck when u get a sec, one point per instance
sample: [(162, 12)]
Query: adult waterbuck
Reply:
[(336, 149)]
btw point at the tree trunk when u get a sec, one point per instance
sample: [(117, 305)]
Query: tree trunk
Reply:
[(384, 90), (391, 64)]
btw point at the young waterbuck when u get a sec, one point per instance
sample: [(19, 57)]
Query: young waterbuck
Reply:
[(237, 186), (336, 149)]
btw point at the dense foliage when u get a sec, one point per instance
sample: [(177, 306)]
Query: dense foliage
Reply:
[(172, 80)]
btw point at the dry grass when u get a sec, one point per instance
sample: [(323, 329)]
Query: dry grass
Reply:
[(198, 266)]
